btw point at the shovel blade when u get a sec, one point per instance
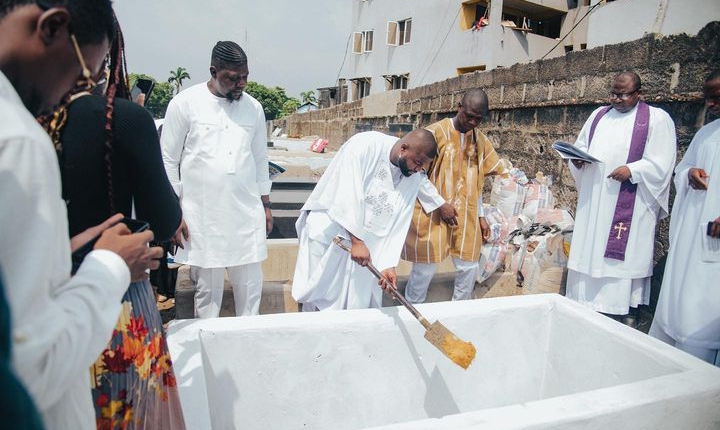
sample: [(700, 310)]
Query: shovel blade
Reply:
[(460, 352)]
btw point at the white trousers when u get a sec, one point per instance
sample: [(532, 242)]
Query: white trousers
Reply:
[(607, 295), (705, 354), (246, 281), (422, 273)]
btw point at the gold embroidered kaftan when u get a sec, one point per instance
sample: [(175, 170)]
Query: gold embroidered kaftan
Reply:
[(458, 174)]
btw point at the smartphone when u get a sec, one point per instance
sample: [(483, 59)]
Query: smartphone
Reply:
[(142, 85), (77, 257), (709, 228)]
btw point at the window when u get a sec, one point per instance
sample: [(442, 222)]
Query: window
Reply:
[(368, 40), (471, 13), (360, 87), (398, 32), (541, 22), (463, 70), (396, 82), (362, 41)]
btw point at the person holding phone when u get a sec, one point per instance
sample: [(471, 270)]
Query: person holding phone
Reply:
[(59, 323), (688, 310), (214, 144), (110, 161)]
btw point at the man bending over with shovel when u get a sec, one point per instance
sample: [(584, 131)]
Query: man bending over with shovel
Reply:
[(366, 196)]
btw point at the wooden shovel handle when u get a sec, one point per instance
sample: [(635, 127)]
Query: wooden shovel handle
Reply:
[(394, 292)]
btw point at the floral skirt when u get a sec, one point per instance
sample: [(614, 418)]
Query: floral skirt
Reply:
[(133, 383)]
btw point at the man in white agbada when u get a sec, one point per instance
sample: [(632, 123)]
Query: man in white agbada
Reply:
[(620, 200), (366, 195), (60, 325), (214, 146), (688, 311)]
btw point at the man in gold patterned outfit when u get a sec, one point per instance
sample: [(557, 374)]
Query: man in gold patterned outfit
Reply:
[(458, 228)]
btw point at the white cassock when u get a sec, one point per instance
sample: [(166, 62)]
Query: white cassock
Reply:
[(60, 325), (215, 155), (361, 192), (688, 310), (604, 284)]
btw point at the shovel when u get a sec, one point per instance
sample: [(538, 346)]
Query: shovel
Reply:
[(460, 352)]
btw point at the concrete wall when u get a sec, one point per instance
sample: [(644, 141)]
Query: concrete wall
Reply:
[(624, 20)]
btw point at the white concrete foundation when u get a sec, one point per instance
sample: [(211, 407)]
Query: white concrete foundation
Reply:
[(543, 362)]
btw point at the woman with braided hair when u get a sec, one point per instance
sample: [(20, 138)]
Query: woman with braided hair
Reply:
[(110, 162)]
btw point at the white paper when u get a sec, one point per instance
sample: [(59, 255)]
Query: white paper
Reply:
[(569, 151)]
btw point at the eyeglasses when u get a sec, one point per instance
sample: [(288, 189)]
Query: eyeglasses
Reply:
[(87, 79), (621, 96)]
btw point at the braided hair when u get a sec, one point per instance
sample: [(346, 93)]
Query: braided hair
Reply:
[(117, 86), (227, 53)]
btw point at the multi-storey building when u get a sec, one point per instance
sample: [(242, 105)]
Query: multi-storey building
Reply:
[(400, 44)]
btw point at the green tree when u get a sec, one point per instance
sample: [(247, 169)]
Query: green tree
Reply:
[(308, 97), (289, 107), (177, 77), (161, 95), (271, 99)]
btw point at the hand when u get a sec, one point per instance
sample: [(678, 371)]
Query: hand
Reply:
[(715, 229), (579, 163), (359, 252), (140, 99), (181, 233), (485, 229), (268, 221), (621, 174), (133, 248), (86, 236), (698, 178), (389, 279), (448, 214)]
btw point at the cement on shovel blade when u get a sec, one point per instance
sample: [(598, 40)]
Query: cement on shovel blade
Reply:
[(460, 352)]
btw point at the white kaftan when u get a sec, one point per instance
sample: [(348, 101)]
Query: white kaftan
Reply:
[(215, 155), (597, 197), (689, 306), (361, 192), (60, 325)]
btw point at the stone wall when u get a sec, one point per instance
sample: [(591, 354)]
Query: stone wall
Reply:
[(533, 105)]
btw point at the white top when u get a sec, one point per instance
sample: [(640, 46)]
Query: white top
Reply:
[(358, 192), (597, 194), (215, 155), (60, 325), (688, 309)]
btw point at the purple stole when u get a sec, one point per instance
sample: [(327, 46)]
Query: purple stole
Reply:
[(625, 206)]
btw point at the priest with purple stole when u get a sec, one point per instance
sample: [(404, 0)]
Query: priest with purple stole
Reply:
[(620, 200)]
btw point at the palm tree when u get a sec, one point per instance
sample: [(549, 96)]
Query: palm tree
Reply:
[(177, 77), (308, 97)]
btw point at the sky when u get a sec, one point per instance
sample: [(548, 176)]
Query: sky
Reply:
[(294, 44)]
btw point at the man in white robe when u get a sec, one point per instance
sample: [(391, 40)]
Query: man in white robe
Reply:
[(214, 146), (611, 256), (688, 311), (366, 196), (60, 325)]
